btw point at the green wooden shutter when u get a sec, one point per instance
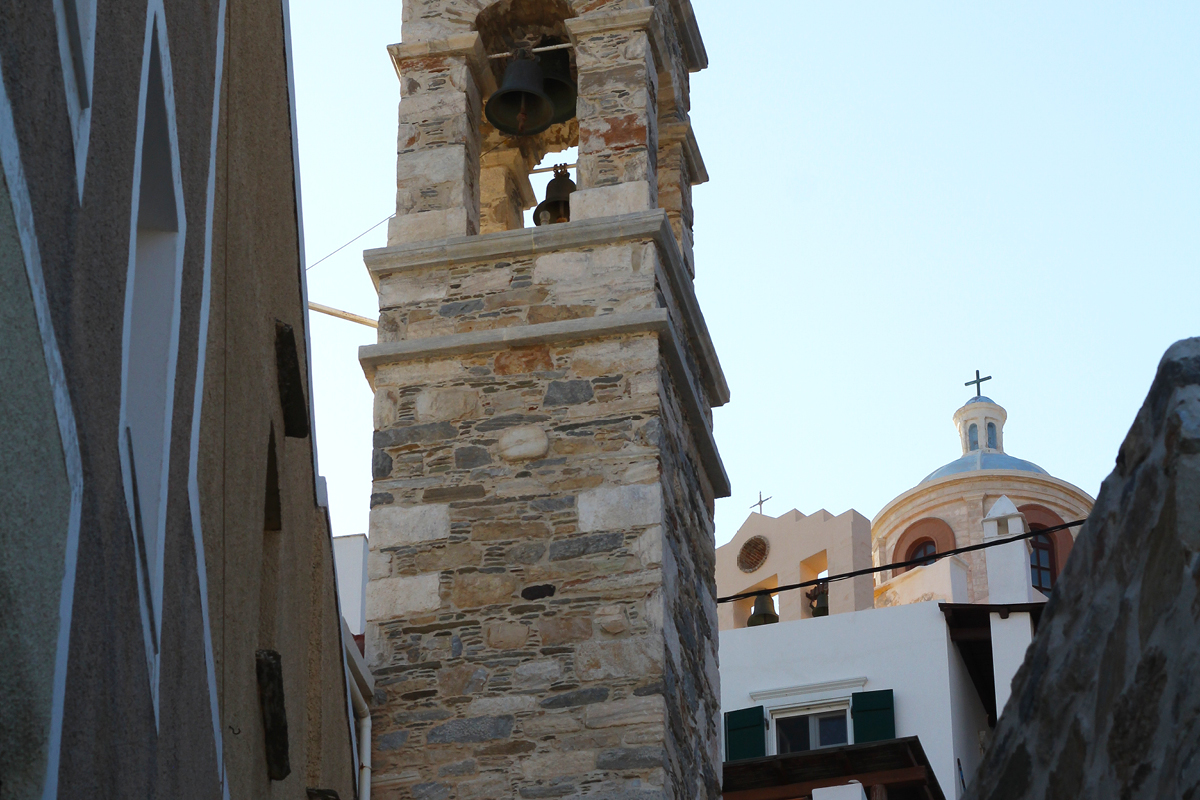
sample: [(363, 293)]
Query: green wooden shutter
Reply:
[(874, 715), (745, 734)]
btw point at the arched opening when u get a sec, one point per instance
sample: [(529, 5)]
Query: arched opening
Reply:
[(1050, 550), (991, 436), (973, 437), (922, 549), (918, 539)]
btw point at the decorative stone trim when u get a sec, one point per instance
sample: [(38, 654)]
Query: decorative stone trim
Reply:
[(656, 320), (683, 133), (567, 236)]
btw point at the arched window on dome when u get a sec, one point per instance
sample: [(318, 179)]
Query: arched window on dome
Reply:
[(1042, 567), (931, 531), (922, 549), (973, 437), (991, 430)]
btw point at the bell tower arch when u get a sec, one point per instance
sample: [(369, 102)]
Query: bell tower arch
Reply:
[(542, 605)]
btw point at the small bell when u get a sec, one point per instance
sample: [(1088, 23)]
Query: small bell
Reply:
[(520, 106), (818, 600), (764, 611), (557, 84), (557, 205)]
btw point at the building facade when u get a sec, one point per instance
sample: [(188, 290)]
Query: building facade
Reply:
[(170, 620), (541, 616)]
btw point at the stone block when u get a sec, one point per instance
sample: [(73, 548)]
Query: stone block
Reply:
[(568, 393), (498, 706), (436, 405), (620, 507), (463, 679), (523, 443), (394, 526), (473, 730), (555, 765), (536, 674), (506, 635), (379, 565), (391, 741), (632, 657), (585, 545), (611, 201), (486, 787), (624, 758), (491, 531), (429, 225), (431, 790), (523, 361), (579, 697), (477, 589), (631, 711), (562, 630), (395, 597)]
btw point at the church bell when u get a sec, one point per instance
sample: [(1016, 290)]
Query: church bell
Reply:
[(764, 611), (557, 84), (557, 205), (520, 107)]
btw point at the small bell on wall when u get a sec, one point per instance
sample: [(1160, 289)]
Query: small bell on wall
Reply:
[(818, 600), (557, 84), (520, 107), (764, 611), (557, 205)]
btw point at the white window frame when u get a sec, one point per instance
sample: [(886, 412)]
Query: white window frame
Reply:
[(811, 698), (153, 533), (76, 23)]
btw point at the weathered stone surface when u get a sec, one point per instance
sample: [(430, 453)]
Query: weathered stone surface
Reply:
[(414, 434), (381, 465), (568, 393), (1107, 703), (478, 729), (471, 457), (523, 443), (585, 546), (393, 526), (579, 697), (434, 405), (431, 791), (631, 711), (539, 591), (523, 360), (556, 765), (463, 679), (620, 507), (622, 758), (533, 674), (637, 656), (561, 630), (491, 531), (391, 741), (388, 597), (506, 635), (477, 589)]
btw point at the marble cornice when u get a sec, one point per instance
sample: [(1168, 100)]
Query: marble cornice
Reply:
[(530, 242)]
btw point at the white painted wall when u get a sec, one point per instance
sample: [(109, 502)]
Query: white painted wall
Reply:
[(350, 560), (904, 648)]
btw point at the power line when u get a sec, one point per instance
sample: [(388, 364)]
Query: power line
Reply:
[(911, 562), (352, 241)]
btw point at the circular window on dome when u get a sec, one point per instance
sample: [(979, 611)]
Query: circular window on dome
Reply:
[(753, 553)]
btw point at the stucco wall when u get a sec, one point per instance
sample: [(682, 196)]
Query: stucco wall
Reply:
[(906, 649)]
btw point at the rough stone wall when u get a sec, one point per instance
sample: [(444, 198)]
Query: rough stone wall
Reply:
[(1107, 703)]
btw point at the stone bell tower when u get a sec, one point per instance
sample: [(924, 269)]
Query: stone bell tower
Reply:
[(542, 607)]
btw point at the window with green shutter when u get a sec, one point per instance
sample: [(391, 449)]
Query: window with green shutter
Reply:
[(874, 716), (745, 734)]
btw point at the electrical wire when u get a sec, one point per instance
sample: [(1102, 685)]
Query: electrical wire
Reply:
[(911, 562), (352, 241)]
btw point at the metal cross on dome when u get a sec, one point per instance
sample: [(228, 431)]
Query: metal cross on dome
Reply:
[(976, 383), (760, 502)]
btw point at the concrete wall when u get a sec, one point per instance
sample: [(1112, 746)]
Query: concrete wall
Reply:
[(157, 693), (906, 649)]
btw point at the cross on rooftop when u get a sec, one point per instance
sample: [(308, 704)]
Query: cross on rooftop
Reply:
[(976, 383), (760, 502)]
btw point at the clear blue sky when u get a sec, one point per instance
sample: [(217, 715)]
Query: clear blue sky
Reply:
[(901, 193)]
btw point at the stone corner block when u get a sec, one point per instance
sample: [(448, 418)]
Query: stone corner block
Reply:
[(391, 526), (620, 507), (611, 201), (395, 597)]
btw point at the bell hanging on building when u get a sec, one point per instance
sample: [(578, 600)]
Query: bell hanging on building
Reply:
[(557, 84), (557, 205), (764, 611), (520, 106)]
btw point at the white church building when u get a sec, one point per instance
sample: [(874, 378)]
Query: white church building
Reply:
[(888, 685)]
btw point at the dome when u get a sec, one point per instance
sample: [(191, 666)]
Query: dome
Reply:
[(981, 399), (984, 459)]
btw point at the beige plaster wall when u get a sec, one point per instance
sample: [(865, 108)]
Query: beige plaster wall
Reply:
[(800, 548)]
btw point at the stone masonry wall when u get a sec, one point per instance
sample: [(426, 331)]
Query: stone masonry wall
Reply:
[(1107, 703)]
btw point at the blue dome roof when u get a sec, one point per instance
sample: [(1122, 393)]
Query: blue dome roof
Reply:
[(984, 459), (979, 399)]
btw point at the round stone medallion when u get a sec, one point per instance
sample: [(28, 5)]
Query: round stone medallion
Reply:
[(753, 553)]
